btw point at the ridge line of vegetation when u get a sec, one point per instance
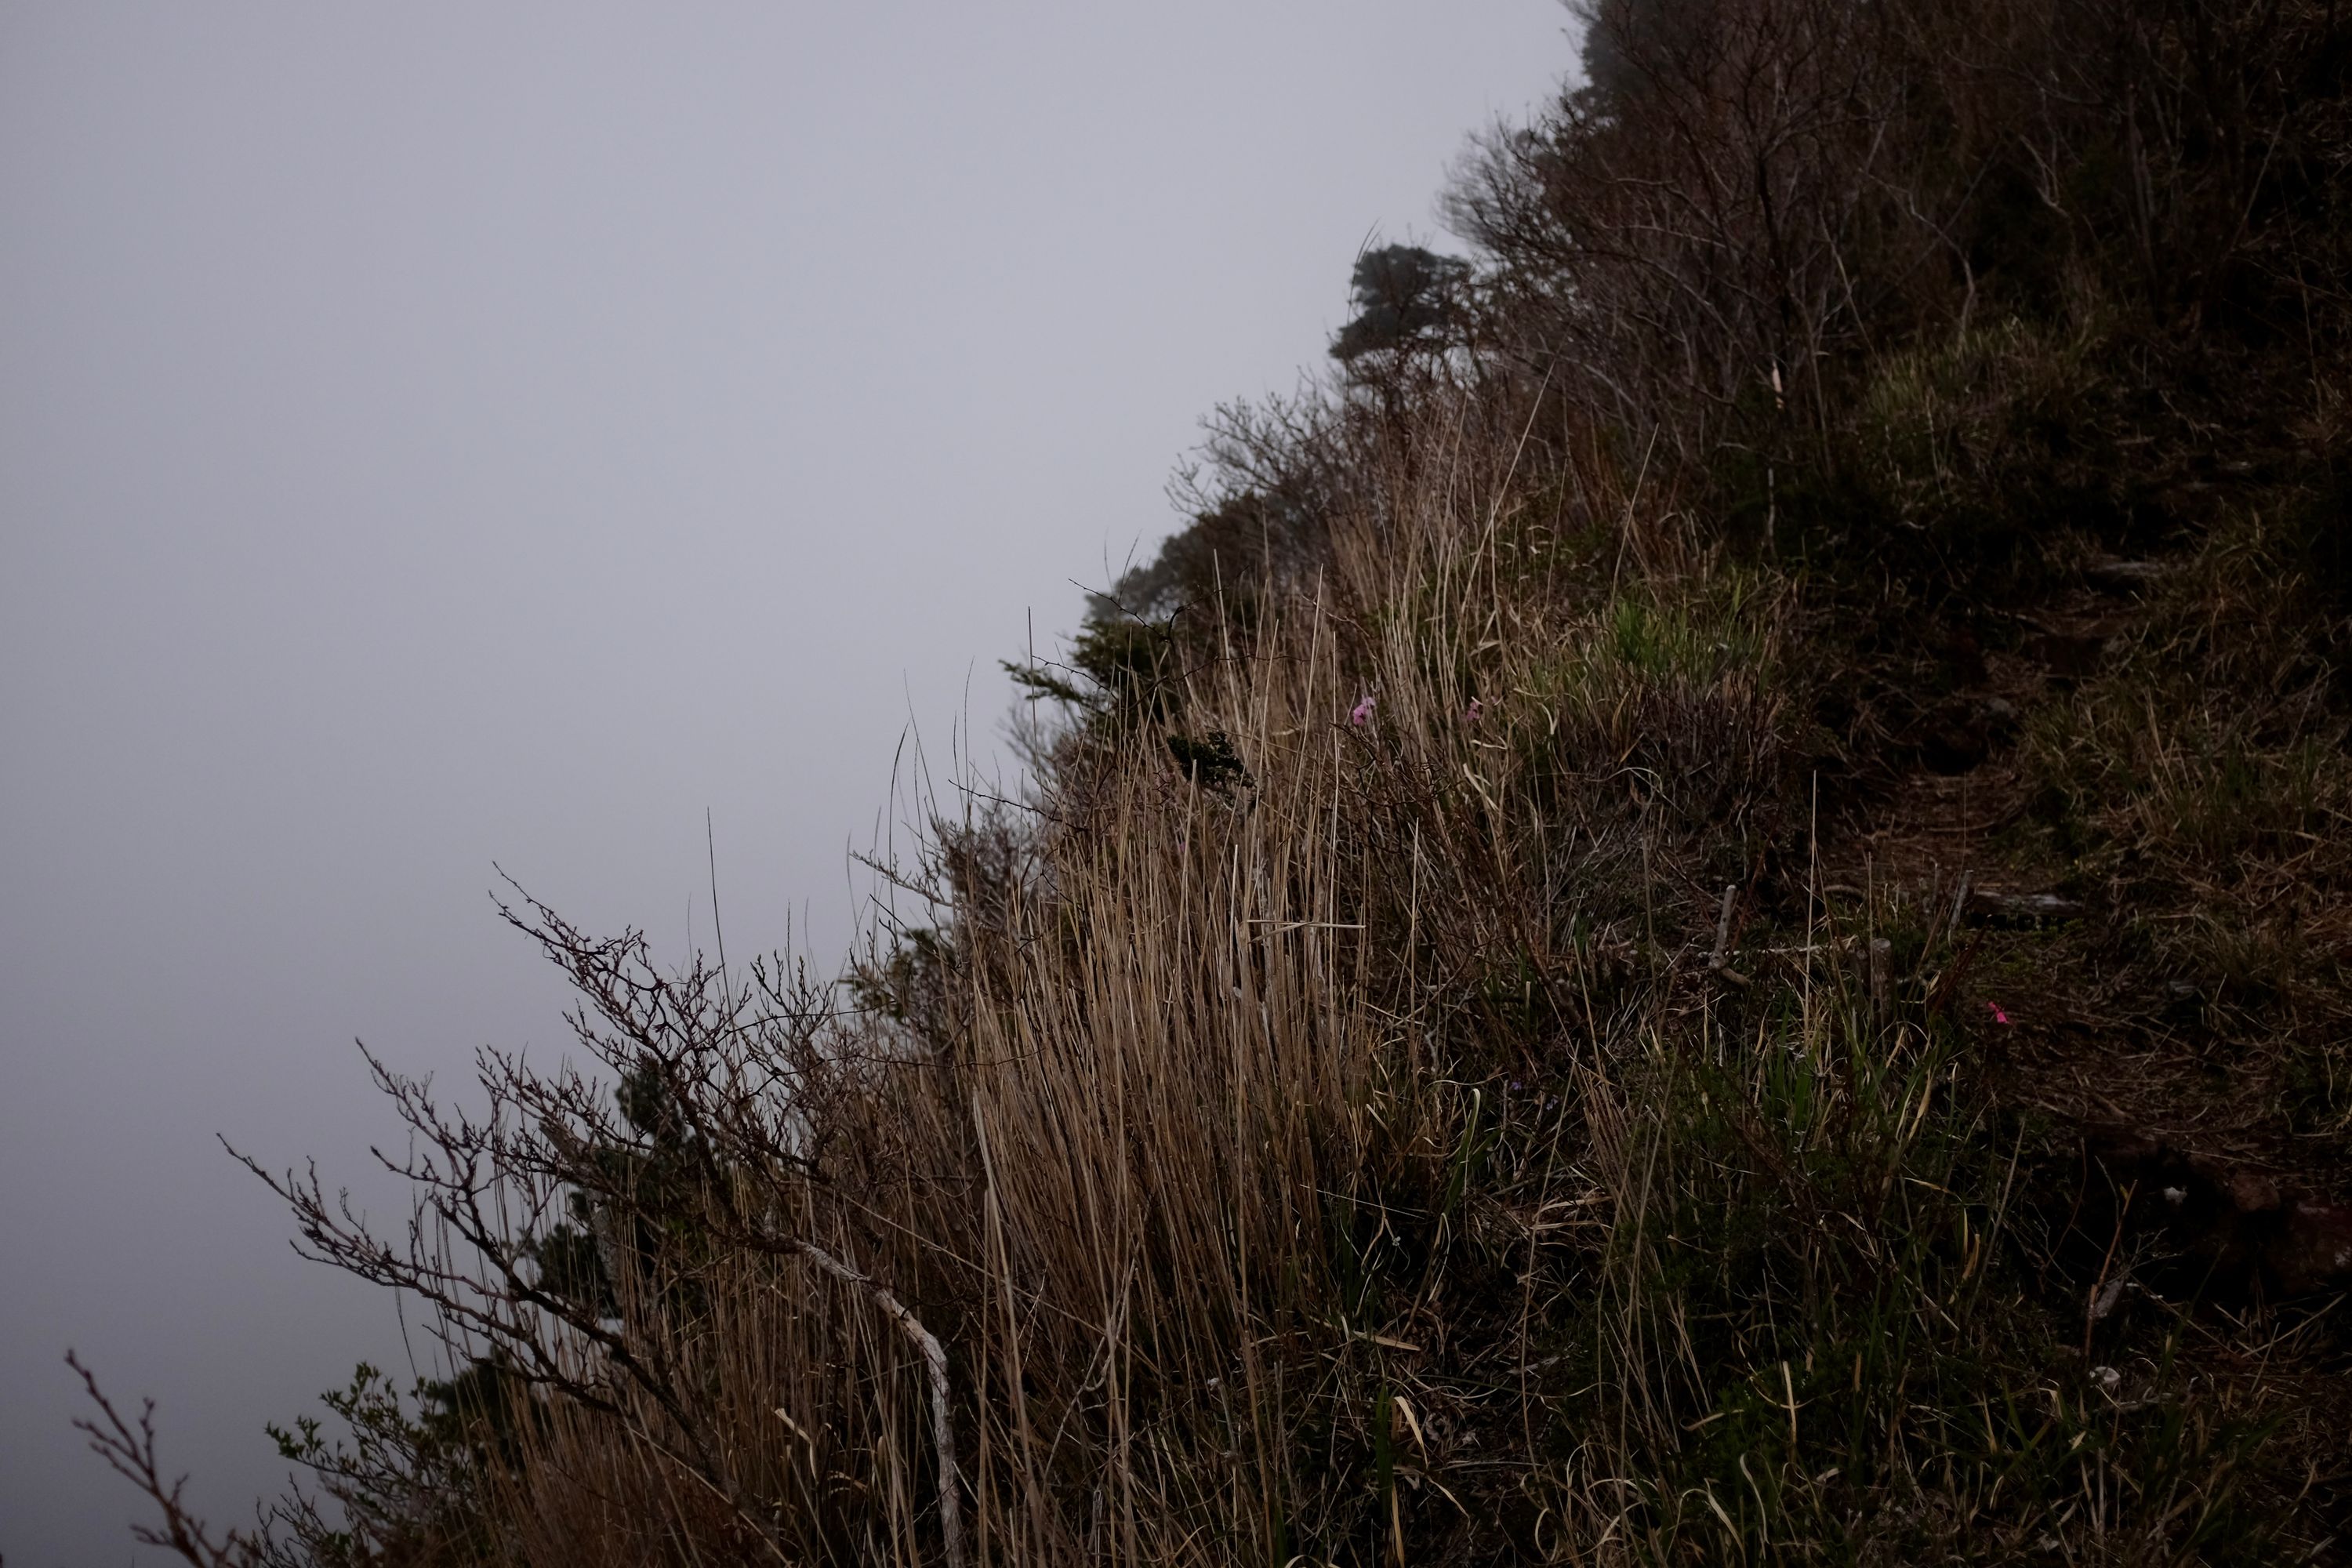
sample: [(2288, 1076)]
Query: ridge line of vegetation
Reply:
[(1700, 916)]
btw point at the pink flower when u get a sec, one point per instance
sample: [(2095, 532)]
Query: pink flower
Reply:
[(1997, 1015), (1363, 711), (1477, 708)]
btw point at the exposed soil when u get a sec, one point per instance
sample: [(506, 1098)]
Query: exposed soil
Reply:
[(2186, 1158)]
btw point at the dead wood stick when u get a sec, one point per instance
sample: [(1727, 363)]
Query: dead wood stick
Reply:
[(935, 1361)]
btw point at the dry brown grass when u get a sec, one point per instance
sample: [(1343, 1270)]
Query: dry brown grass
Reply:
[(1477, 1048), (1365, 1160)]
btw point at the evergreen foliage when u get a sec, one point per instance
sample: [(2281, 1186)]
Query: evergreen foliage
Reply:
[(1406, 299)]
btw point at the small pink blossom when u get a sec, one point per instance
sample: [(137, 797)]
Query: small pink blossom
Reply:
[(1997, 1015), (1363, 711)]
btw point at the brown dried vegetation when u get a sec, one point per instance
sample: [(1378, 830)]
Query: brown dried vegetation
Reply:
[(1483, 1045)]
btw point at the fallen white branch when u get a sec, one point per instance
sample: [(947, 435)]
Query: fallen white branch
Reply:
[(935, 1361)]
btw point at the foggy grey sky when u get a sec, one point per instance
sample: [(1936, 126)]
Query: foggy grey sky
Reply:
[(435, 433)]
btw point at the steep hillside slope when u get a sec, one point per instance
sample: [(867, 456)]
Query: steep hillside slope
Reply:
[(1702, 917)]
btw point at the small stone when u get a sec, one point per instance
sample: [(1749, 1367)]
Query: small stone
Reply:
[(2313, 1250), (2253, 1193), (1987, 904)]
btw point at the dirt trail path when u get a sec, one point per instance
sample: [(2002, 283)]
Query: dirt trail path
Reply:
[(2190, 1151)]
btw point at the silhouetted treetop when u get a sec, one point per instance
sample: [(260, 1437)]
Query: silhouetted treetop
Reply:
[(1405, 298)]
